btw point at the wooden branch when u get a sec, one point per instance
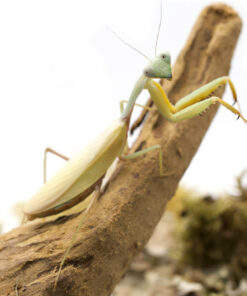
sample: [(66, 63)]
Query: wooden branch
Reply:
[(122, 221)]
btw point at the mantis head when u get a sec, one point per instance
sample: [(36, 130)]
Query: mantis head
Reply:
[(159, 67)]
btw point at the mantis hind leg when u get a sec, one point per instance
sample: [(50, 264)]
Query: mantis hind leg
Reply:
[(144, 151), (48, 149)]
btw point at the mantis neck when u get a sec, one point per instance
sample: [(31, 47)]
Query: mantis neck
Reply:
[(139, 86)]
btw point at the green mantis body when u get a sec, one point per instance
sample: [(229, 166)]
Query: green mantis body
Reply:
[(84, 172)]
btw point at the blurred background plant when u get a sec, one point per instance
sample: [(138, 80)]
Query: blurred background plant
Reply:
[(199, 248)]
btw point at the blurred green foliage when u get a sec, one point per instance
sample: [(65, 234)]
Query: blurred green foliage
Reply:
[(212, 231)]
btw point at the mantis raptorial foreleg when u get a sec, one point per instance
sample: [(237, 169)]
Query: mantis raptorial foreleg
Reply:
[(48, 149), (192, 104), (204, 92), (198, 108)]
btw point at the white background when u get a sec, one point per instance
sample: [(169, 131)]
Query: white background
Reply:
[(62, 74)]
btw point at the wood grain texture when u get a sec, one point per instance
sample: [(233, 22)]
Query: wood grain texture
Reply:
[(121, 222)]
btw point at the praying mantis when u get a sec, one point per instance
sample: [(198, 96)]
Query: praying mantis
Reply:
[(84, 173)]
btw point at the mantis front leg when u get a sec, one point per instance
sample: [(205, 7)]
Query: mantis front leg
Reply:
[(205, 92), (194, 103)]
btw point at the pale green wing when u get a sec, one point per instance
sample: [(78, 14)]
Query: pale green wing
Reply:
[(81, 171)]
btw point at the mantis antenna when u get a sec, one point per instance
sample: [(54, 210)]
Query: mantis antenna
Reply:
[(158, 33), (126, 43)]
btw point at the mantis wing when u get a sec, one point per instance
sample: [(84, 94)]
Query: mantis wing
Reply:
[(77, 179)]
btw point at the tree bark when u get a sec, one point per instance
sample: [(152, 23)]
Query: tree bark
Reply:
[(118, 225)]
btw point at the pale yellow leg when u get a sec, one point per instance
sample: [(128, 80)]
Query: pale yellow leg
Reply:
[(193, 104), (205, 92)]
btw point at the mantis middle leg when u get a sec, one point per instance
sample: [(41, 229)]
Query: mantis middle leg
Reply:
[(144, 151)]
